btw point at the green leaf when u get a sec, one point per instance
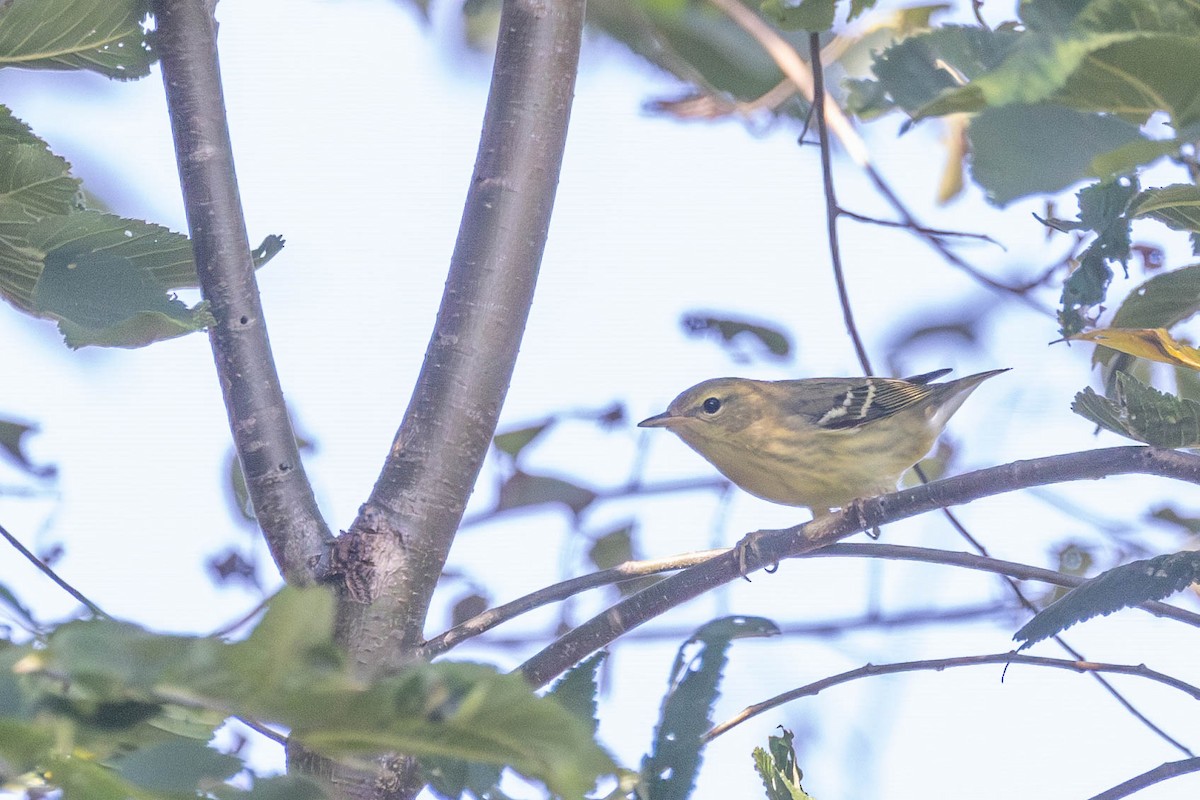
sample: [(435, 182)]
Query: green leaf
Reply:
[(1102, 209), (278, 787), (859, 7), (616, 547), (81, 779), (1137, 77), (118, 678), (23, 744), (522, 489), (1176, 206), (165, 256), (101, 279), (101, 298), (669, 770), (1142, 413), (576, 690), (453, 778), (9, 600), (815, 16), (105, 36), (1121, 587), (1130, 157), (778, 769), (12, 441), (612, 548), (1149, 16), (35, 179), (461, 711), (513, 442), (919, 68), (1190, 526), (177, 766), (268, 249), (733, 334), (1019, 150), (1132, 73), (696, 43), (291, 648)]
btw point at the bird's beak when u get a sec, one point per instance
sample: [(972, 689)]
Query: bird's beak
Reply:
[(663, 420)]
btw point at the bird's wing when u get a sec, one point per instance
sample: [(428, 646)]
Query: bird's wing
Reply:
[(845, 403)]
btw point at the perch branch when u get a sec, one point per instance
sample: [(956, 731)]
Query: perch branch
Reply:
[(767, 547)]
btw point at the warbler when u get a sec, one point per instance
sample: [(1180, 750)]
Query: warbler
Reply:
[(818, 442)]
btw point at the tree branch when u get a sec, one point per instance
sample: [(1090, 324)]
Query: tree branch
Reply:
[(258, 418), (1171, 769), (940, 664), (630, 570), (481, 623), (763, 548), (392, 556)]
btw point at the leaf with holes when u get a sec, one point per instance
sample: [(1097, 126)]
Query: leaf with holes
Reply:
[(105, 36), (669, 771), (1121, 587)]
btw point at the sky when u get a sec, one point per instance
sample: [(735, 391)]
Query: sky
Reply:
[(355, 127)]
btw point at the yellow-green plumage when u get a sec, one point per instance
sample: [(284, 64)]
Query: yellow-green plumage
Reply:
[(816, 442)]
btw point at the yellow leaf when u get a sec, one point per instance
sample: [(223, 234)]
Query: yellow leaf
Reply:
[(955, 141), (1154, 344)]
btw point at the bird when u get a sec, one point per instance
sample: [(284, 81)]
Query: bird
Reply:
[(817, 443)]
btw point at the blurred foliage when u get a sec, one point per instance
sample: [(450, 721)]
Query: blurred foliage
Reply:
[(12, 442), (104, 708), (743, 339)]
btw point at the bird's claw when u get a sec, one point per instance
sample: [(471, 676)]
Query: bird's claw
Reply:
[(748, 547)]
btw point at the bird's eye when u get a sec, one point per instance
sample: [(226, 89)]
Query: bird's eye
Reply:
[(712, 405)]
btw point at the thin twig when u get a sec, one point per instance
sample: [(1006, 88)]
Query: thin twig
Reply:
[(940, 664), (831, 205), (1171, 769), (489, 619), (795, 68), (1025, 572), (1029, 606), (230, 627), (830, 628), (264, 731), (51, 574), (891, 223)]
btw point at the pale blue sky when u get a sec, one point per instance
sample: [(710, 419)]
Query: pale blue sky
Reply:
[(355, 130)]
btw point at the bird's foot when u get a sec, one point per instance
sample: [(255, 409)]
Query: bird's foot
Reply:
[(748, 549)]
